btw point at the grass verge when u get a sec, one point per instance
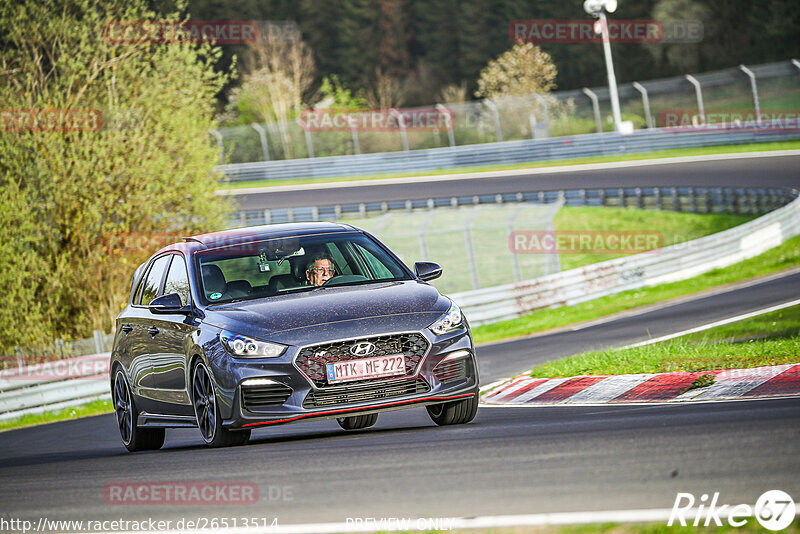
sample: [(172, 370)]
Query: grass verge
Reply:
[(674, 227), (769, 339), (92, 408), (672, 153), (776, 259)]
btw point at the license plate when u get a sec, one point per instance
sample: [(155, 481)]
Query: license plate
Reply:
[(364, 368)]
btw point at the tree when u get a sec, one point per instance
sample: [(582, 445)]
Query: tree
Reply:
[(683, 57), (82, 201), (522, 70), (280, 71)]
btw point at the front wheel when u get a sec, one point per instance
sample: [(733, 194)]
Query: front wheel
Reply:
[(357, 422), (207, 414), (133, 437), (454, 412)]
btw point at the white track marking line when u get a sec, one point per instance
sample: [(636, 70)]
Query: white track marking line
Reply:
[(501, 174), (452, 523), (713, 325), (608, 389)]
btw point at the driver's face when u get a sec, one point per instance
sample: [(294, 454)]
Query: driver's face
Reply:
[(320, 272)]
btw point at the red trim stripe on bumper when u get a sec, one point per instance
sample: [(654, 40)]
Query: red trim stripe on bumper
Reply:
[(398, 403)]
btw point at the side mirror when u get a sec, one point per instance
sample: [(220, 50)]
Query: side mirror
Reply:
[(427, 270), (168, 304)]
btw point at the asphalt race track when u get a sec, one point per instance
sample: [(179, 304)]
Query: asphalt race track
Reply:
[(520, 460), (781, 171)]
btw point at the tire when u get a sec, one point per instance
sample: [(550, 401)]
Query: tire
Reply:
[(455, 412), (133, 437), (357, 422), (209, 421)]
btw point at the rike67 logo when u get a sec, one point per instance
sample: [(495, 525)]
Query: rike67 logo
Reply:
[(774, 510)]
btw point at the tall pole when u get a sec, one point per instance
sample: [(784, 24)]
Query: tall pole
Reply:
[(612, 79)]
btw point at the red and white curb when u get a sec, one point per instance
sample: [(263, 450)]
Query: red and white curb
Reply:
[(729, 384)]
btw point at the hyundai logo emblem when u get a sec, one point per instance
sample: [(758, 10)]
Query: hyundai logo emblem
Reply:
[(363, 348)]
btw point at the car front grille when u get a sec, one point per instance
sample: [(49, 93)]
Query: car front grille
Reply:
[(255, 398), (312, 360), (450, 371), (365, 392)]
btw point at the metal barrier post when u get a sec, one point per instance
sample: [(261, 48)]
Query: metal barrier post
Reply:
[(423, 245), (532, 120), (402, 123), (754, 89), (543, 101), (596, 106), (514, 254), (356, 145), (473, 266), (646, 102), (262, 134), (309, 141), (221, 147), (450, 126), (98, 341), (699, 93), (498, 131)]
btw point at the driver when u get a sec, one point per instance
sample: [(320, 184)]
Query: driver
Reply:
[(320, 269)]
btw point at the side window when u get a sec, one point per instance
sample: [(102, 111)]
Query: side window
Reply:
[(342, 264), (149, 289), (178, 280), (375, 265)]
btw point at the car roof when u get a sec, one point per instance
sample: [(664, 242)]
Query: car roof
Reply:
[(255, 233)]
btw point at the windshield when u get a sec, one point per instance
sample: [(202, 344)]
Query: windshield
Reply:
[(280, 266)]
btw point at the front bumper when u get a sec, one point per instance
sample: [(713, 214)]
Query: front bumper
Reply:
[(447, 372)]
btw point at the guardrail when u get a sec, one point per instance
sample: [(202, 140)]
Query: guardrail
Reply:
[(577, 146), (669, 264), (64, 383), (749, 201), (49, 386)]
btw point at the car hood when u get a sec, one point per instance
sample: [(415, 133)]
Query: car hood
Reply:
[(333, 312)]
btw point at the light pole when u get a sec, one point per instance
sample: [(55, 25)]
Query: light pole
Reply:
[(598, 9)]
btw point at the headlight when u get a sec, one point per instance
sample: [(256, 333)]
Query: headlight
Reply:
[(247, 347), (450, 321)]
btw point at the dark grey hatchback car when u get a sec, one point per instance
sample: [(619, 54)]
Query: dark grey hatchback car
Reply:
[(235, 330)]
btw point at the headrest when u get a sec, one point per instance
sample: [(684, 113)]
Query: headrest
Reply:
[(238, 288), (213, 279)]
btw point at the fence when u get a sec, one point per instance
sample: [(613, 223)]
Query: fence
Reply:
[(468, 241), (747, 201), (670, 264), (507, 152), (60, 349), (564, 113), (53, 385)]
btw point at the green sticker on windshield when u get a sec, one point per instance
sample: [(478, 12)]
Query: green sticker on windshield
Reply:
[(215, 296)]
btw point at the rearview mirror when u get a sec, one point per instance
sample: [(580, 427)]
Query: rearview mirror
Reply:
[(427, 270), (168, 304)]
